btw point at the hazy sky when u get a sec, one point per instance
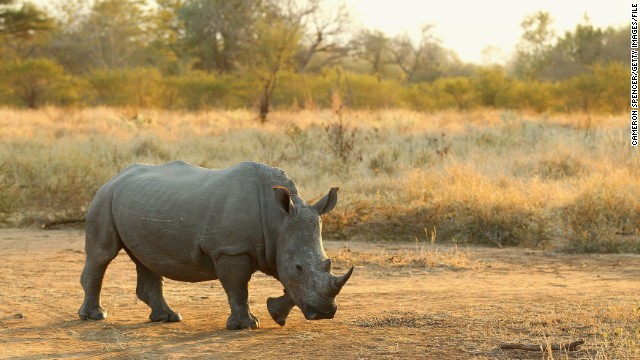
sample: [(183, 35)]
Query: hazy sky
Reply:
[(467, 26)]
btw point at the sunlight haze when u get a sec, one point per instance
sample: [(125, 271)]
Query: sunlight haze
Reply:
[(468, 27)]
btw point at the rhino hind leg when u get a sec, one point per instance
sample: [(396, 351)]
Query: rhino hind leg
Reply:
[(101, 247), (91, 281), (234, 273)]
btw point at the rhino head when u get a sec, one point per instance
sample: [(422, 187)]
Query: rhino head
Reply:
[(303, 267)]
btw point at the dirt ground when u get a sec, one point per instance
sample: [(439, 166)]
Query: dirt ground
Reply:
[(385, 311)]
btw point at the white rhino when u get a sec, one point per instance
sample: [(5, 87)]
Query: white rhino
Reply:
[(193, 224)]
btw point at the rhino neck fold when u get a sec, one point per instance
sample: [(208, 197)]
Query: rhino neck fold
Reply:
[(267, 247)]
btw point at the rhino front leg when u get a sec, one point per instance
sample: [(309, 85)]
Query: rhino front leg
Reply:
[(280, 307), (234, 273)]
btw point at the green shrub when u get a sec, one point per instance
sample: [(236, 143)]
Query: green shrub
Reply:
[(37, 82), (139, 87), (490, 86), (455, 92), (539, 96), (363, 91)]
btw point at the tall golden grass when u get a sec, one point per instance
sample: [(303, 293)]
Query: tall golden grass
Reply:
[(491, 177)]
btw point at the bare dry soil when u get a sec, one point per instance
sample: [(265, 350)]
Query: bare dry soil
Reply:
[(385, 311)]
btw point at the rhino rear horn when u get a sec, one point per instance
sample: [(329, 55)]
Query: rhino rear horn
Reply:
[(338, 281)]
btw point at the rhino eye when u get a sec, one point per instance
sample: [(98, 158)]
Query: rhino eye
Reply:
[(299, 269)]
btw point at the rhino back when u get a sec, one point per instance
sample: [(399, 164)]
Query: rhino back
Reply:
[(176, 218)]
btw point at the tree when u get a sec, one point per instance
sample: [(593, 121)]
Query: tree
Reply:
[(323, 36), (424, 61), (577, 51), (34, 82), (165, 50), (373, 47), (22, 28), (278, 31), (616, 45), (536, 41), (218, 32), (111, 34), (542, 55)]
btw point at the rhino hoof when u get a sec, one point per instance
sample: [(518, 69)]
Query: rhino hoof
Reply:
[(93, 314), (278, 310), (234, 324), (164, 316), (280, 319)]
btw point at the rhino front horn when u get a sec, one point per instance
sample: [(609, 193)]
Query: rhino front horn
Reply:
[(339, 281)]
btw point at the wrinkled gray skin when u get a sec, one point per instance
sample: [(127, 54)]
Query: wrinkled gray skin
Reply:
[(193, 224)]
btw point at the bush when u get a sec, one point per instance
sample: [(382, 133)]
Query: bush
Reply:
[(456, 92), (539, 96), (140, 87), (614, 78), (490, 85), (310, 91), (37, 82), (421, 97), (363, 91), (604, 218)]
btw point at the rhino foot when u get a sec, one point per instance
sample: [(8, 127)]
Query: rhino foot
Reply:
[(279, 308), (93, 314), (162, 315), (234, 323)]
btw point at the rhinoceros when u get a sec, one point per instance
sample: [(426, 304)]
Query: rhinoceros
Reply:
[(193, 224)]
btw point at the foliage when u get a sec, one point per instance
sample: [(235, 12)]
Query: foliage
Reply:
[(217, 33), (478, 176), (111, 34), (537, 38), (491, 85), (137, 87), (34, 83), (455, 92), (541, 54), (22, 28), (195, 54)]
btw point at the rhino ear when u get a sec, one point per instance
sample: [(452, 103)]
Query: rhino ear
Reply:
[(328, 202), (282, 197)]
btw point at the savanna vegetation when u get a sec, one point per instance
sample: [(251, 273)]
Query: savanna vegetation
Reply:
[(426, 150), (288, 55), (489, 177), (424, 146)]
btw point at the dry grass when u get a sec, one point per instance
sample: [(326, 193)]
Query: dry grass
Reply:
[(425, 257), (485, 177)]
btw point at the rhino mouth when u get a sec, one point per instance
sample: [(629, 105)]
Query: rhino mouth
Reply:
[(311, 313)]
